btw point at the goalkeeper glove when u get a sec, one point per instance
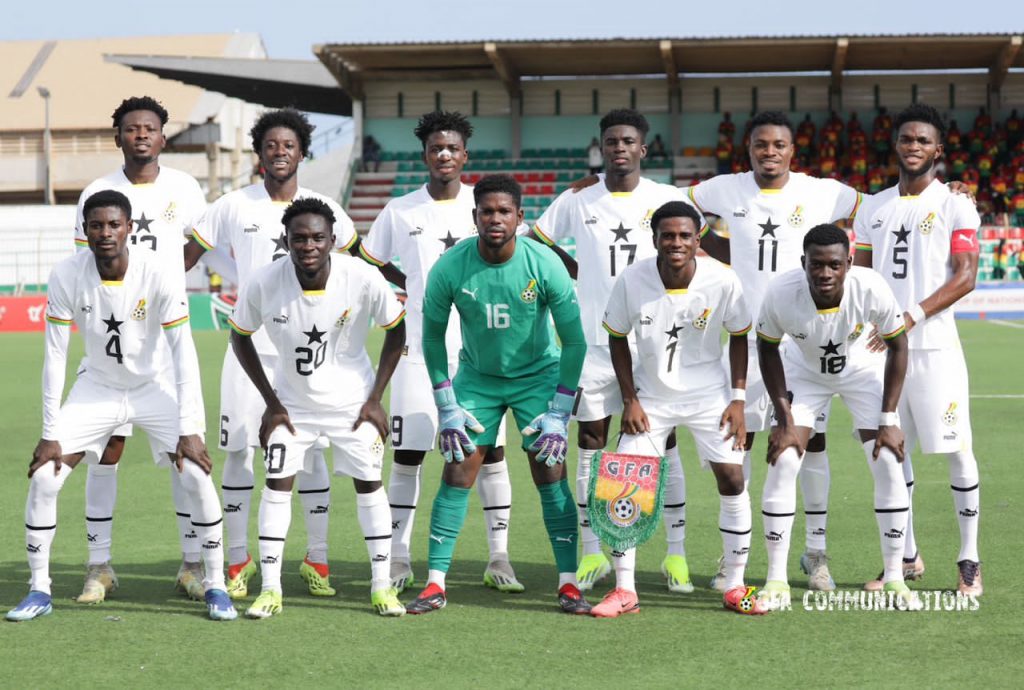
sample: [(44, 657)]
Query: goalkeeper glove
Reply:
[(453, 420), (553, 426)]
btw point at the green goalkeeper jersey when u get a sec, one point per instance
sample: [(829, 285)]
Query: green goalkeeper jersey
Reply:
[(506, 311)]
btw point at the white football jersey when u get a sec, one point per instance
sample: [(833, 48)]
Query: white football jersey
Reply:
[(248, 221), (417, 229), (822, 338), (164, 213), (612, 230), (320, 335), (678, 332), (121, 321), (911, 240), (767, 226)]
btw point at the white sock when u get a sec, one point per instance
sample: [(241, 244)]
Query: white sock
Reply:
[(591, 544), (567, 579), (275, 516), (236, 485), (404, 494), (187, 536), (674, 514), (778, 506), (734, 522), (375, 521), (100, 498), (315, 494), (963, 479), (746, 469), (890, 509), (625, 569), (41, 522), (909, 543), (207, 521), (436, 577), (495, 489), (814, 483)]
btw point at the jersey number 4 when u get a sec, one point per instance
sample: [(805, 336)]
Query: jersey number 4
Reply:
[(113, 348)]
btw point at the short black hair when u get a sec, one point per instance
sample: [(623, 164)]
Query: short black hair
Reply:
[(773, 118), (498, 184), (106, 199), (920, 112), (625, 116), (675, 209), (308, 205), (443, 121), (286, 117), (825, 235), (130, 105)]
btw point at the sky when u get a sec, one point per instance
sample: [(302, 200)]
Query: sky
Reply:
[(290, 29)]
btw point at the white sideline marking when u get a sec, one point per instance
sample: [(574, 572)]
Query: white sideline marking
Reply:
[(1011, 324), (999, 396)]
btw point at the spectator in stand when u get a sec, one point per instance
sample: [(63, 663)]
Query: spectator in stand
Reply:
[(595, 158), (881, 135), (371, 154), (726, 126), (656, 149), (954, 139), (1000, 261), (984, 162), (859, 159), (723, 154), (877, 179), (958, 163), (853, 125), (1017, 202), (883, 120), (983, 121), (971, 178), (1014, 128)]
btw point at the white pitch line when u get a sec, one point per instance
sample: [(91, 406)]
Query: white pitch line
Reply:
[(1011, 324), (999, 396)]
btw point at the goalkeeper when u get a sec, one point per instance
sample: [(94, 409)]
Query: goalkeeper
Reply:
[(507, 293)]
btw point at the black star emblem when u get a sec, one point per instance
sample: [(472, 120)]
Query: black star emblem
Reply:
[(142, 224), (448, 240), (314, 335), (113, 325), (621, 233), (831, 348), (674, 331), (767, 228), (280, 244), (901, 235)]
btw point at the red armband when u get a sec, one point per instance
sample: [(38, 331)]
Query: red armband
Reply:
[(964, 241)]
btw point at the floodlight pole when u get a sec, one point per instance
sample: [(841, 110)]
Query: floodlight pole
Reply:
[(47, 148)]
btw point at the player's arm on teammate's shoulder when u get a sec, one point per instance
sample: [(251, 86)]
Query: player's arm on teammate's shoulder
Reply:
[(713, 244), (378, 244), (549, 229), (570, 263)]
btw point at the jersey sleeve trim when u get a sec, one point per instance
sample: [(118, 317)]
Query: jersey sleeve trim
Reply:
[(57, 321), (81, 243), (742, 331), (175, 323), (894, 334), (856, 206), (768, 338), (355, 236), (238, 329), (862, 246), (368, 257), (544, 238), (612, 332), (199, 238), (398, 320)]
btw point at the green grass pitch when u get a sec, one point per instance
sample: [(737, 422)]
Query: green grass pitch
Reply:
[(145, 635)]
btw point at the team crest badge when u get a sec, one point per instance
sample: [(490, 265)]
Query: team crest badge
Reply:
[(377, 448), (645, 224), (626, 497), (343, 319), (701, 322), (529, 293), (139, 312), (856, 332), (796, 218), (928, 224), (949, 417), (170, 213)]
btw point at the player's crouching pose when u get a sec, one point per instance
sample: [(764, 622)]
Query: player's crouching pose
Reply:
[(316, 309), (824, 308), (676, 304), (506, 292), (120, 304)]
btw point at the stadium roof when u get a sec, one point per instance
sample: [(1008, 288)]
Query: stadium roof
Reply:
[(354, 64), (85, 88)]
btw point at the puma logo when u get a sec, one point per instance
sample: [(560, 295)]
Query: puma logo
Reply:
[(439, 540), (471, 293)]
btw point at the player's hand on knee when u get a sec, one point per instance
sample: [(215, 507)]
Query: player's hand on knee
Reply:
[(553, 426), (374, 413), (734, 424), (781, 438), (634, 419), (192, 448), (452, 420), (890, 437), (273, 417), (46, 451)]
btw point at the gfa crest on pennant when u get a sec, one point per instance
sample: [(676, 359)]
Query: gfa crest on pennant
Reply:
[(139, 312), (625, 498)]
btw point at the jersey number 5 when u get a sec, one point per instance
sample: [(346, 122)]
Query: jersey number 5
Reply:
[(900, 261)]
